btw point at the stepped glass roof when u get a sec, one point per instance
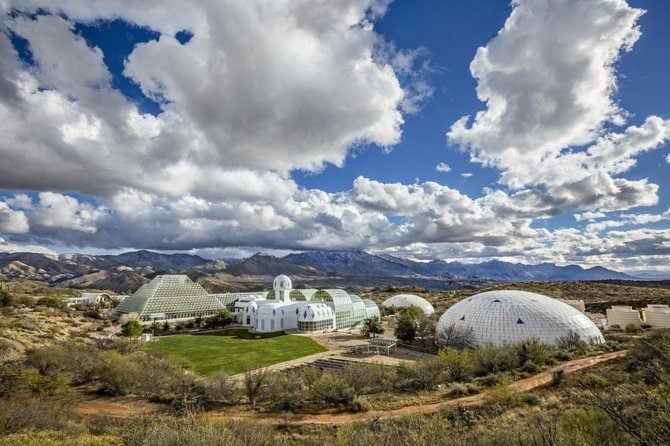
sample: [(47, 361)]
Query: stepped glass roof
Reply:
[(170, 294)]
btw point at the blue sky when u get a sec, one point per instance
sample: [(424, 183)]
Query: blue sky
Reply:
[(289, 127)]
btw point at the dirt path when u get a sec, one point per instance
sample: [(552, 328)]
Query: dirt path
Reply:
[(126, 407), (523, 385)]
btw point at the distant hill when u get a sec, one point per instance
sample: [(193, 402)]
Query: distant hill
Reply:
[(353, 263), (262, 264), (128, 271)]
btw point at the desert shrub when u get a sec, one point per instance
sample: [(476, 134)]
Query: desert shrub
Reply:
[(332, 390), (52, 302), (6, 299), (530, 367), (195, 431), (530, 399), (221, 388), (360, 404), (502, 397), (19, 415), (632, 328), (27, 301), (489, 359), (93, 314), (557, 378), (593, 381), (457, 364), (9, 377), (30, 380), (531, 350), (589, 425), (75, 359), (282, 391), (563, 356), (27, 325), (150, 376), (253, 382), (455, 337), (426, 373), (570, 341), (365, 378), (57, 438), (456, 390)]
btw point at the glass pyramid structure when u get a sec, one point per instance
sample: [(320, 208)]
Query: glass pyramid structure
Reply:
[(172, 297)]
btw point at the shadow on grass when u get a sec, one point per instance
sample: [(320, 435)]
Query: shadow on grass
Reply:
[(240, 334)]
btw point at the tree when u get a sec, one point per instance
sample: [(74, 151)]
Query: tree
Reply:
[(425, 328), (405, 328), (132, 329), (456, 337), (372, 326), (6, 299), (253, 382), (225, 317)]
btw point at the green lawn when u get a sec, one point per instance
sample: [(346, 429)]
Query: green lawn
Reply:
[(234, 350)]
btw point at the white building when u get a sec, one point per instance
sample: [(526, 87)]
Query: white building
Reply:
[(89, 299), (658, 316), (176, 297), (409, 300), (507, 316), (306, 310), (623, 316)]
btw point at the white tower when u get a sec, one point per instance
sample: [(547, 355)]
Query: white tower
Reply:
[(282, 286)]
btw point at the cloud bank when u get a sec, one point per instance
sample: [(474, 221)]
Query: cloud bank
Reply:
[(262, 90)]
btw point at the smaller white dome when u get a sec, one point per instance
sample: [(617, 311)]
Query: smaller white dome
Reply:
[(282, 283), (409, 300)]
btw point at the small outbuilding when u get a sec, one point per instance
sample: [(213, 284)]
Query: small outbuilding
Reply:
[(409, 300)]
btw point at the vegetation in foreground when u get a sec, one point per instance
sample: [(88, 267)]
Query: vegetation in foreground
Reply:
[(234, 351), (622, 403)]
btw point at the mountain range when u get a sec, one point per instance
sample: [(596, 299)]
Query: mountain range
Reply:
[(128, 271)]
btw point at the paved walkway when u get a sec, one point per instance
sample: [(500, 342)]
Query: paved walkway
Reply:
[(292, 363)]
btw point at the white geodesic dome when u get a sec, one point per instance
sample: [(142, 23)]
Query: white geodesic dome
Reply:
[(409, 300), (499, 317)]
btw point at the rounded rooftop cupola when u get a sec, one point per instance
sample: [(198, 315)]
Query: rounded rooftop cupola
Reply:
[(282, 286)]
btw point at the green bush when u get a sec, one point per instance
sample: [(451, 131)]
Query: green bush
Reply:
[(132, 329), (593, 381), (52, 302), (530, 367), (530, 399), (6, 299), (457, 364), (424, 374), (331, 389), (360, 404), (457, 390), (531, 350)]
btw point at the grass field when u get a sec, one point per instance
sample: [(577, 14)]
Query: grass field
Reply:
[(234, 350)]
